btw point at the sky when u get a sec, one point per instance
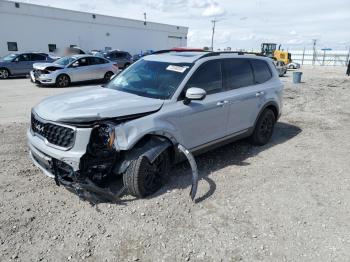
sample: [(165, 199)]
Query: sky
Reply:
[(242, 24)]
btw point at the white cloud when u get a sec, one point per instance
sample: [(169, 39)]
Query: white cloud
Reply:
[(329, 24), (213, 10)]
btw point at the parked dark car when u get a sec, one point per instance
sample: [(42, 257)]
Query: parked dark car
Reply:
[(142, 54), (21, 64), (123, 59)]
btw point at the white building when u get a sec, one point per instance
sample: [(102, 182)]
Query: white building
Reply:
[(28, 27)]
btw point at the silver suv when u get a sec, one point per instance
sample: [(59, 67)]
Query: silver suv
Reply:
[(139, 124)]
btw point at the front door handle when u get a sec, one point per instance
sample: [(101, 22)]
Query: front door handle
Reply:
[(260, 94)]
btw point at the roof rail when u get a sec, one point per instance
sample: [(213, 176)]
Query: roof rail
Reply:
[(233, 52), (177, 51)]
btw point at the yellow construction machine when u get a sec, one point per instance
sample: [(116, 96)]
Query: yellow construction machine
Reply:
[(270, 50)]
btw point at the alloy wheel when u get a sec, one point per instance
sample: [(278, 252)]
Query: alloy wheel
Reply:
[(4, 74), (153, 173), (266, 128), (63, 81)]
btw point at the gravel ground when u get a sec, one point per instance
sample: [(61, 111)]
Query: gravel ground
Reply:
[(286, 201)]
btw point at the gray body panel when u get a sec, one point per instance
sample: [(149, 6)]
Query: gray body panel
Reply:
[(197, 124)]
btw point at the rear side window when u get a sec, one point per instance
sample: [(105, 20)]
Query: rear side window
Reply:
[(97, 61), (23, 58), (207, 77), (37, 57), (262, 71), (237, 73)]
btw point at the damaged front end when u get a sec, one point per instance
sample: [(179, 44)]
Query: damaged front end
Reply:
[(103, 165), (92, 181)]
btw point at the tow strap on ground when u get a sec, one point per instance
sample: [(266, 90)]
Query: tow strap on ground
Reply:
[(194, 168)]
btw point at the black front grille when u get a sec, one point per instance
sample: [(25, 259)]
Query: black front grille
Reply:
[(55, 134)]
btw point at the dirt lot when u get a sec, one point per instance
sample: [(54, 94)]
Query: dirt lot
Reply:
[(287, 201)]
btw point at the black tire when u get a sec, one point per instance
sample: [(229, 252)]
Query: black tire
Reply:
[(62, 80), (108, 76), (4, 73), (264, 128), (126, 65), (142, 178)]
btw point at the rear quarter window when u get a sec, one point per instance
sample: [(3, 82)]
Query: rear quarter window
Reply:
[(261, 70)]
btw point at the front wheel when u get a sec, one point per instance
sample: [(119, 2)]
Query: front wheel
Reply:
[(143, 178), (4, 73), (264, 128), (108, 76), (62, 81)]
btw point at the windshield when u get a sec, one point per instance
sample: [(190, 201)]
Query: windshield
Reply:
[(9, 57), (64, 61), (151, 79)]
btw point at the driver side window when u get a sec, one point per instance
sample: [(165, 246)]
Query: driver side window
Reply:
[(81, 62), (22, 58), (208, 77)]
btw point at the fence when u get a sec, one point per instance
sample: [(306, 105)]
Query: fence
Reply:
[(320, 57)]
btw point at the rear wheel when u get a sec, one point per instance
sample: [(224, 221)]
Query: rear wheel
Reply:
[(108, 76), (62, 81), (126, 65), (143, 178), (4, 73), (264, 128)]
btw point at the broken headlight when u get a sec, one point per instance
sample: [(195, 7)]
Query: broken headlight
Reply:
[(103, 136)]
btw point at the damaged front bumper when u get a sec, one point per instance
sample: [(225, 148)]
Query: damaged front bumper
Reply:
[(67, 168), (64, 174), (44, 79)]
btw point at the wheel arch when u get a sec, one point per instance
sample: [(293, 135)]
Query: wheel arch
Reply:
[(66, 74), (269, 105), (150, 145)]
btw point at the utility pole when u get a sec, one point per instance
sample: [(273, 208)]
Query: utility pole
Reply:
[(145, 17), (212, 36), (347, 58), (302, 60), (314, 53)]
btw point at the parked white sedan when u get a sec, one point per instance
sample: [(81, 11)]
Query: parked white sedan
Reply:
[(293, 65), (71, 69)]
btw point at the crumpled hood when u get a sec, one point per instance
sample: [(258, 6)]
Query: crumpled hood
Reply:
[(43, 66), (94, 104)]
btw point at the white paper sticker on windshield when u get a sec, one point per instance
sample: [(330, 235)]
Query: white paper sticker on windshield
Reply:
[(179, 69)]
